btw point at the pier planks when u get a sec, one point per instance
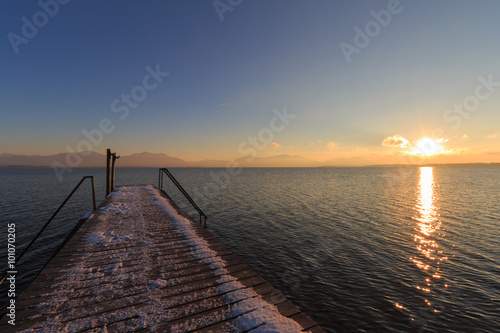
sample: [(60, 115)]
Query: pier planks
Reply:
[(137, 265)]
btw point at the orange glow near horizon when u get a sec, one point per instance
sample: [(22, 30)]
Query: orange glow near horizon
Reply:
[(395, 149)]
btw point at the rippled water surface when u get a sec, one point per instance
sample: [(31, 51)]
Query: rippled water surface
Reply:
[(359, 249)]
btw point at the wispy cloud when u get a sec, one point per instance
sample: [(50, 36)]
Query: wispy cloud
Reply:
[(275, 145), (226, 104), (493, 136), (396, 141)]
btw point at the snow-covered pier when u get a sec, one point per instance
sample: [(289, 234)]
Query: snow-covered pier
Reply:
[(139, 264)]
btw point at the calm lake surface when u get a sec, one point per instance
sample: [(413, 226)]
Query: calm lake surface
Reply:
[(359, 249)]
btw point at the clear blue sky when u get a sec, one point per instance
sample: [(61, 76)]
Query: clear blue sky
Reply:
[(226, 77)]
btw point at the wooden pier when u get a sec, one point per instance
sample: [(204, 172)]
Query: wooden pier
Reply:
[(138, 264)]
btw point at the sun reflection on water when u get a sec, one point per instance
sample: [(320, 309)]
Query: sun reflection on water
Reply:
[(429, 256), (429, 221)]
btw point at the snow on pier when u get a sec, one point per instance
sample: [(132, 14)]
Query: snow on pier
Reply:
[(137, 264)]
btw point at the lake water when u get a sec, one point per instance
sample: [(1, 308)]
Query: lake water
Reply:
[(358, 249)]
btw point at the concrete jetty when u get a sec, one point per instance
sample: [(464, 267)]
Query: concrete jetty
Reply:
[(139, 264)]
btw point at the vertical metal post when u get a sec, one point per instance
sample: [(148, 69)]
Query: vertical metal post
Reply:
[(114, 158), (108, 156), (112, 187), (160, 179), (93, 192)]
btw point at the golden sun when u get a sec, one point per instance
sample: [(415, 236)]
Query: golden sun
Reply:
[(427, 147)]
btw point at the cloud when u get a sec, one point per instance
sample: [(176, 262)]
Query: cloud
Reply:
[(275, 145), (466, 136), (396, 141), (331, 144), (493, 136), (455, 151)]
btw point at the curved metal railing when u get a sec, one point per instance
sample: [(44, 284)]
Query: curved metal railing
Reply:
[(12, 266), (179, 186)]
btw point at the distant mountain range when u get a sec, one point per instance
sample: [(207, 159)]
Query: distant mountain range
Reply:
[(145, 159), (91, 159)]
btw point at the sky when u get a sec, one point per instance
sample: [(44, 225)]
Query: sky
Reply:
[(224, 79)]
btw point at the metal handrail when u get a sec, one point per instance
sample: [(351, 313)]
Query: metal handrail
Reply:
[(179, 186), (52, 217)]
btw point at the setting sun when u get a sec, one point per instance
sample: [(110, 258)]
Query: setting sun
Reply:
[(427, 147)]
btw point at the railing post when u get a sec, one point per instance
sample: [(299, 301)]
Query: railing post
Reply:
[(114, 158), (110, 171), (93, 192), (112, 182), (108, 157)]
